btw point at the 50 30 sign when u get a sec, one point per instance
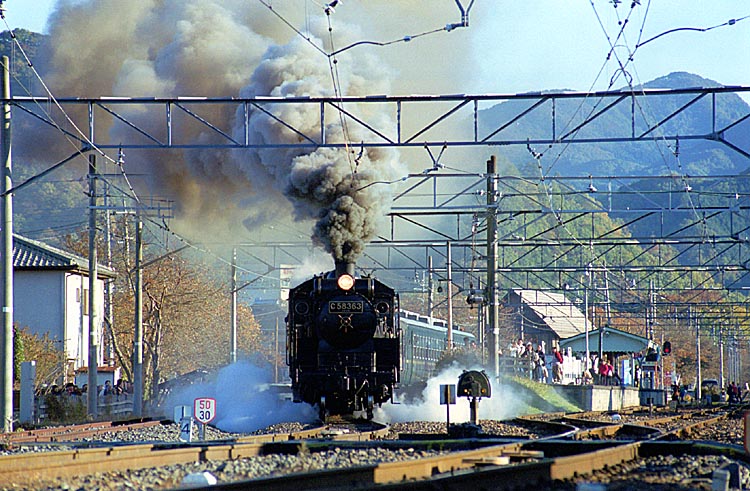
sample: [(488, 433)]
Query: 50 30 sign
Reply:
[(204, 409)]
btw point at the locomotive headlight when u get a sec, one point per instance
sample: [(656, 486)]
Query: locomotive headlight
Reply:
[(345, 282)]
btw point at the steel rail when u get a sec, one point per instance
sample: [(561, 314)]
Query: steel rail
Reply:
[(475, 466), (71, 433), (24, 468)]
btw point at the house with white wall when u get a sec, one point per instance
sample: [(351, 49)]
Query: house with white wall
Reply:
[(51, 296)]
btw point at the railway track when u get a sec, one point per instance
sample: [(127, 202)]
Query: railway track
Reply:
[(572, 447), (71, 433)]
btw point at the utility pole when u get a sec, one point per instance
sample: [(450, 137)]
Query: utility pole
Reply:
[(276, 354), (608, 304), (430, 300), (721, 360), (651, 312), (449, 289), (138, 336), (601, 327), (698, 379), (233, 335), (93, 374), (586, 326), (481, 322), (109, 308), (492, 297), (7, 253)]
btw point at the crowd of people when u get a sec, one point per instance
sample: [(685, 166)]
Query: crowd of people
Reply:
[(121, 388), (535, 360), (732, 393), (531, 357)]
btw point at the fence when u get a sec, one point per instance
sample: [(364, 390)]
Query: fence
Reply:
[(524, 367), (73, 406)]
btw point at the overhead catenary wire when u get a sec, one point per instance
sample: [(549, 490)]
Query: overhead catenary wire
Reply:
[(328, 10), (621, 71), (90, 146), (51, 97), (730, 22), (338, 93), (680, 174)]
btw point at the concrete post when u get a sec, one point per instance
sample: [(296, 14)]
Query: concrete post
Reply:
[(28, 379), (6, 341)]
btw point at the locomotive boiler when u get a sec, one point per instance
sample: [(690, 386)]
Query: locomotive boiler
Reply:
[(343, 342)]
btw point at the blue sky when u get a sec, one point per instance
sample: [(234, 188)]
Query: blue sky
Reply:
[(28, 14), (562, 44)]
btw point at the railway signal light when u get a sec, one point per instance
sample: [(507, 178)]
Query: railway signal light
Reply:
[(667, 348), (476, 298)]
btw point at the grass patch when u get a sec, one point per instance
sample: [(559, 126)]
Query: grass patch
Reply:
[(541, 398)]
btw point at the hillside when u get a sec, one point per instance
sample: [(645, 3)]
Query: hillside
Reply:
[(57, 205), (23, 80), (699, 157)]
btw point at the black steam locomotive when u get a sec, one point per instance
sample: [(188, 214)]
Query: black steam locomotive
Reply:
[(343, 342)]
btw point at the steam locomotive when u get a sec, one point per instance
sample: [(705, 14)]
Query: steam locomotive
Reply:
[(343, 342)]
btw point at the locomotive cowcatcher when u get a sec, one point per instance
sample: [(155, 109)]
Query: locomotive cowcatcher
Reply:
[(343, 342)]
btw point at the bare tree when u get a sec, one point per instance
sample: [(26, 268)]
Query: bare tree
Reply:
[(186, 314), (45, 351)]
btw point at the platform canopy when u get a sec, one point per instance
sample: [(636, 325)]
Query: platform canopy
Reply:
[(613, 341)]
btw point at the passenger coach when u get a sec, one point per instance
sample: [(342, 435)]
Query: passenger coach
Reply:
[(423, 342)]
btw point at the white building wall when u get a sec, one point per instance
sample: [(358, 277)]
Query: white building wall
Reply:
[(77, 319), (76, 290), (50, 302), (38, 302)]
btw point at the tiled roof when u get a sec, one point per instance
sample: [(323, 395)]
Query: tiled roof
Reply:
[(613, 341), (31, 254), (555, 310)]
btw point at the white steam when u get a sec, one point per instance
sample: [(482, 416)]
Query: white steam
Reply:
[(504, 403), (243, 401), (311, 266)]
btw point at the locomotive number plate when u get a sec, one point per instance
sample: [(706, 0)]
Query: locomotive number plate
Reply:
[(346, 307)]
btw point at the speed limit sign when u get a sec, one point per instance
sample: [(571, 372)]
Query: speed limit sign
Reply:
[(204, 409)]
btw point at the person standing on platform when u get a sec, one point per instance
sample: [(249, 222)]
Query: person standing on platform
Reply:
[(557, 366)]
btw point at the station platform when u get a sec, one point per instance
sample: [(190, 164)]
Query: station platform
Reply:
[(611, 397)]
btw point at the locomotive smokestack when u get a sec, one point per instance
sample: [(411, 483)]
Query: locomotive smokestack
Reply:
[(344, 267)]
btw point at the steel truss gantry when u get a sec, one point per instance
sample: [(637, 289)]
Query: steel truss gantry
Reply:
[(534, 215), (413, 120)]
